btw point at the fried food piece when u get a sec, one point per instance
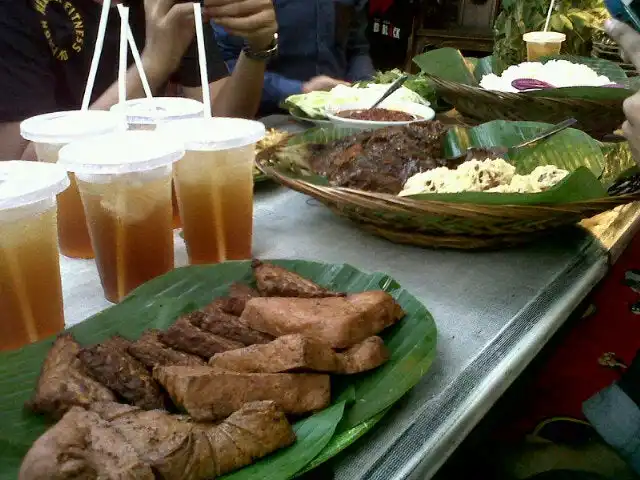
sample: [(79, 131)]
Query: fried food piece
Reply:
[(364, 356), (63, 382), (339, 322), (110, 364), (234, 303), (209, 394), (274, 281), (150, 351), (83, 446), (114, 441), (291, 353), (215, 321), (185, 336)]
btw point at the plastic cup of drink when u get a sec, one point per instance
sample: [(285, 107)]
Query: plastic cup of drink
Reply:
[(543, 44), (125, 185), (49, 133), (214, 182), (30, 286), (147, 113)]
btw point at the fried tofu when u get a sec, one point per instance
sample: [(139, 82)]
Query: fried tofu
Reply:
[(296, 353), (339, 322), (275, 281), (185, 336), (214, 320), (63, 382), (209, 394), (150, 351)]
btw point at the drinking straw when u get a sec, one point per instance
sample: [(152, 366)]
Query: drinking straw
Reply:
[(136, 59), (97, 51), (546, 24), (23, 298), (202, 57), (124, 52)]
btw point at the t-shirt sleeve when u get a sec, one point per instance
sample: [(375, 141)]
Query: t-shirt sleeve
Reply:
[(27, 79), (188, 74)]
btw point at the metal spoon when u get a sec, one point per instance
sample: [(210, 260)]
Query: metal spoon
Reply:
[(482, 153), (392, 88)]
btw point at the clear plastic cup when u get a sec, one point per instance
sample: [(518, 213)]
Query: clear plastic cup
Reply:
[(49, 133), (147, 113), (214, 182), (30, 286), (543, 44), (125, 186)]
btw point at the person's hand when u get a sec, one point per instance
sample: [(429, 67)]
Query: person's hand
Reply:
[(170, 29), (629, 41), (321, 83), (253, 20)]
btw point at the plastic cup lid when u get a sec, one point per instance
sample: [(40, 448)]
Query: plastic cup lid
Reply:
[(544, 37), (213, 134), (121, 152), (68, 126), (23, 183), (154, 110)]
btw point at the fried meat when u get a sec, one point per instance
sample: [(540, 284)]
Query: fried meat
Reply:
[(150, 351), (185, 336), (214, 320), (275, 281)]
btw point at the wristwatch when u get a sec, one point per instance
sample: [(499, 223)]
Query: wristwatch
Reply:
[(263, 55)]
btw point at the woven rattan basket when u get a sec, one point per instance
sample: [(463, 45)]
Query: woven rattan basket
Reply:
[(596, 117), (444, 224)]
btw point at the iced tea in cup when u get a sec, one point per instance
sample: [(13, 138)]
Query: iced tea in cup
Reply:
[(49, 133), (543, 44), (214, 182), (30, 286), (146, 113), (125, 185)]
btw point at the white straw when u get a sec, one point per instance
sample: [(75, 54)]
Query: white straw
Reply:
[(124, 52), (546, 24), (202, 57), (97, 51), (138, 61)]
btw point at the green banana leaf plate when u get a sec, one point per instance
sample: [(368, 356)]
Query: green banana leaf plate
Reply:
[(358, 401)]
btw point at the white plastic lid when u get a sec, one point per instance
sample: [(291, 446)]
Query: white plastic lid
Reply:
[(149, 111), (23, 183), (544, 37), (122, 152), (213, 134), (68, 126)]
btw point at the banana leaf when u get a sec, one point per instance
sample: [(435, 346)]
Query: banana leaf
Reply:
[(449, 64), (356, 399), (571, 149)]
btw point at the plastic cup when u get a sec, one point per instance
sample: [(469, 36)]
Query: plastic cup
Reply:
[(52, 131), (214, 182), (125, 185), (543, 44), (30, 286), (147, 113)]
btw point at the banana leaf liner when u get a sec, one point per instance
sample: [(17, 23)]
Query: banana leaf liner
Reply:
[(597, 109), (472, 220)]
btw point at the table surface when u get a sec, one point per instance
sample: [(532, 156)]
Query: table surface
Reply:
[(494, 311)]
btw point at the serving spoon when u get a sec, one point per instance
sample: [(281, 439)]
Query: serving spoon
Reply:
[(392, 88), (483, 153)]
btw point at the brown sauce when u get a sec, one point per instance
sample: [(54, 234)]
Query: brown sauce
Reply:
[(377, 115)]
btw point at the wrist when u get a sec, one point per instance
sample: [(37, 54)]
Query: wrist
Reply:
[(157, 72), (261, 43)]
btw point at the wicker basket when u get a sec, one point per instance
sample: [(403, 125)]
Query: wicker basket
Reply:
[(444, 224), (596, 117)]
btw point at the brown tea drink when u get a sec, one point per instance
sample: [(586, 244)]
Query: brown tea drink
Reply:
[(30, 284), (50, 132), (543, 44), (214, 182), (126, 193)]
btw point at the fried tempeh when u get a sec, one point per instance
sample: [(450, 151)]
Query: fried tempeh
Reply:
[(215, 321), (209, 394), (150, 351), (185, 336), (63, 382), (339, 322), (114, 441), (110, 364), (291, 353), (234, 303), (275, 281)]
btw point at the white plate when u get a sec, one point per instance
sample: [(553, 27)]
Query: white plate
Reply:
[(422, 112)]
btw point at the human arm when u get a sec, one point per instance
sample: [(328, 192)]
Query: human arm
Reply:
[(360, 65)]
